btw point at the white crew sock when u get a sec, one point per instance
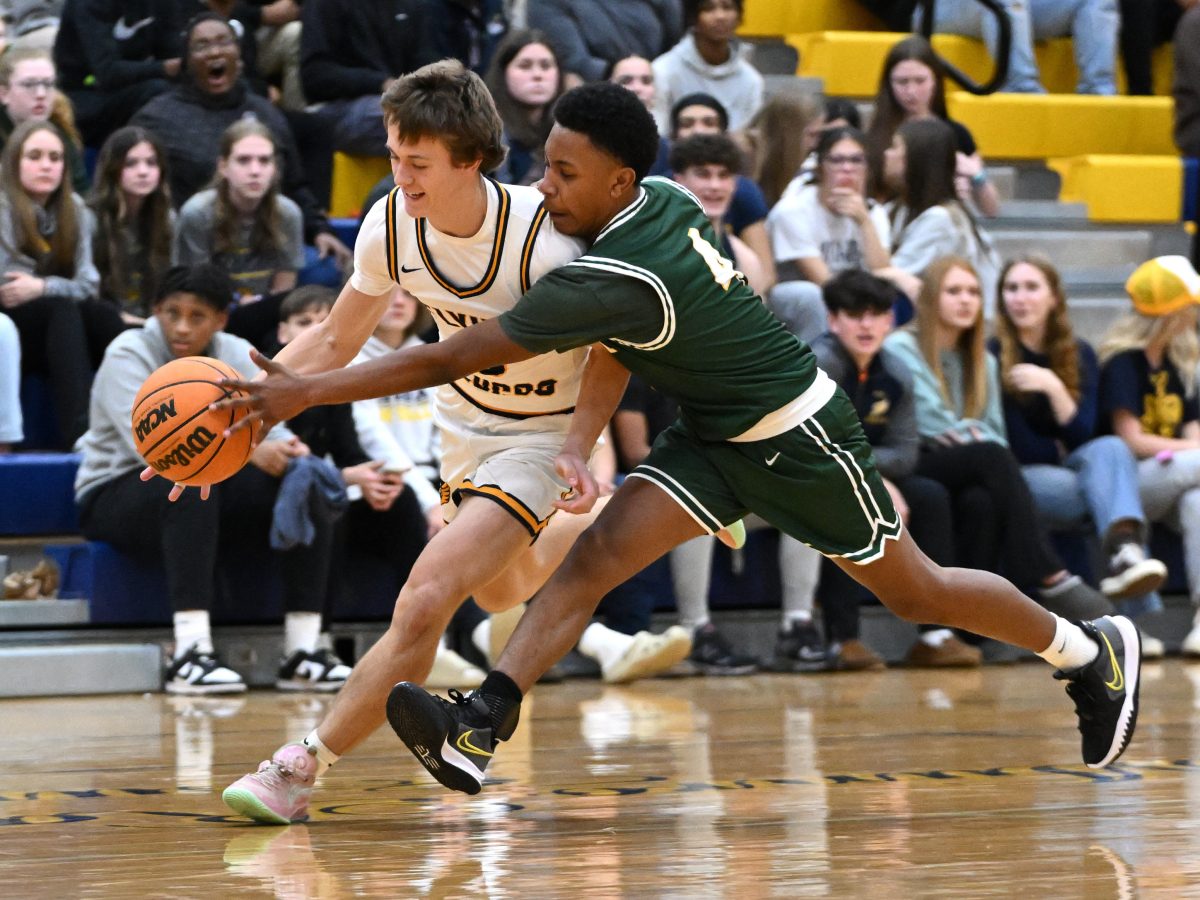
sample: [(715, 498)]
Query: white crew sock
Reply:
[(1071, 647), (937, 637), (603, 644), (796, 617), (481, 638), (301, 631), (192, 630), (325, 756)]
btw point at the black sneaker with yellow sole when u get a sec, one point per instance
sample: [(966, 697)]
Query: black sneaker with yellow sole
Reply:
[(1105, 691)]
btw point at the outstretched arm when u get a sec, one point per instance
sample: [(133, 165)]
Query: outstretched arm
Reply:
[(284, 392), (603, 384)]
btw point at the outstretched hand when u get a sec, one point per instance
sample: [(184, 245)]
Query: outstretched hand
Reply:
[(573, 469), (268, 401)]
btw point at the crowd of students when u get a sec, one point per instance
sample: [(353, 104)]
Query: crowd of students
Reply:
[(214, 122)]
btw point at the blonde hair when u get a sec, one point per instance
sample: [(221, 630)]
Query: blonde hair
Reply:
[(1135, 331), (970, 343)]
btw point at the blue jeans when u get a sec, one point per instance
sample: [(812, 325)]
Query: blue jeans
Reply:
[(10, 382), (1096, 485), (1093, 25)]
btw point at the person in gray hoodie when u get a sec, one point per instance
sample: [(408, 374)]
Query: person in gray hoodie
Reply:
[(186, 535), (709, 60)]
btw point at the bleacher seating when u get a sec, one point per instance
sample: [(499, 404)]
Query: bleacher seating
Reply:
[(1125, 188), (37, 494), (353, 178), (849, 62)]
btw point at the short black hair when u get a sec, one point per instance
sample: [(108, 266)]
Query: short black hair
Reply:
[(841, 108), (699, 99), (706, 150), (691, 10), (208, 282), (614, 119), (855, 291), (306, 297)]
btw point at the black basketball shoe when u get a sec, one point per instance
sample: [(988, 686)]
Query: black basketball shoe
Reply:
[(1105, 691), (453, 739)]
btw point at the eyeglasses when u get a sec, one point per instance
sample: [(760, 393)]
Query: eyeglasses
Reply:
[(204, 44), (855, 160), (33, 84)]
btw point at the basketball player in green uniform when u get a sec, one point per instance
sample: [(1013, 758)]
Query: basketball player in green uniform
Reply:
[(761, 429)]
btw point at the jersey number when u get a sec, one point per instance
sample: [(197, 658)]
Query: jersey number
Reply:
[(722, 269)]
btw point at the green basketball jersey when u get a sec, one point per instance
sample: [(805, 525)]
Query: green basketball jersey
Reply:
[(655, 289)]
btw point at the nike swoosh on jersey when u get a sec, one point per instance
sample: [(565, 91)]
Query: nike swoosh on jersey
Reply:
[(406, 269), (770, 460), (123, 32)]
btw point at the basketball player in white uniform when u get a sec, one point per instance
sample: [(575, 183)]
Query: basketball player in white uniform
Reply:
[(467, 248)]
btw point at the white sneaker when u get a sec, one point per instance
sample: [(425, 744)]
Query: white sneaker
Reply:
[(319, 670), (202, 673), (1152, 647), (649, 654), (1191, 643), (452, 671), (1132, 574)]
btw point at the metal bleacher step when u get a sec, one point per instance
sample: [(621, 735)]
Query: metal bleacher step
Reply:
[(42, 613), (43, 670), (1074, 248)]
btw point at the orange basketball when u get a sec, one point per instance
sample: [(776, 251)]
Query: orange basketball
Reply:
[(177, 434)]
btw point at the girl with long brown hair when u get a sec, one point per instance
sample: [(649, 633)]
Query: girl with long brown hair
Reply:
[(911, 89), (134, 220), (956, 387), (525, 80), (49, 281), (1051, 397)]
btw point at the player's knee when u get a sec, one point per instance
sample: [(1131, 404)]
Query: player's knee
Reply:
[(422, 606)]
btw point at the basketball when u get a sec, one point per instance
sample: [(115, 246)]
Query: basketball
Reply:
[(175, 431)]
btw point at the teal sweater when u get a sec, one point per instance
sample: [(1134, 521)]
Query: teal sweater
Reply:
[(934, 416)]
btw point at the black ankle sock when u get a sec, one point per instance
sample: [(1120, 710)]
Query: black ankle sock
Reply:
[(503, 698)]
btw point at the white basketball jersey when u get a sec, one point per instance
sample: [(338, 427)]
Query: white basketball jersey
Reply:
[(463, 281)]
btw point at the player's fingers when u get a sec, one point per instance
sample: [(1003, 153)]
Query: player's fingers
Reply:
[(147, 473), (176, 492), (576, 504), (242, 402), (241, 425), (265, 362), (205, 491)]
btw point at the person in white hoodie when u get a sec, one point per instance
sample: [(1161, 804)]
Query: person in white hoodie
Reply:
[(709, 60)]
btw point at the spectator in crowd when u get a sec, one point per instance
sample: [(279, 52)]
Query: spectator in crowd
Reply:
[(637, 74), (709, 60), (911, 88), (1144, 25), (34, 23), (50, 281), (780, 136), (243, 224), (374, 520), (28, 91), (929, 222), (823, 228), (956, 388), (708, 166), (112, 57), (1051, 396), (525, 81), (1186, 90), (187, 536), (591, 35), (350, 51), (469, 30), (1148, 397), (192, 117), (278, 47), (1092, 25), (881, 388), (135, 223), (747, 215), (11, 423)]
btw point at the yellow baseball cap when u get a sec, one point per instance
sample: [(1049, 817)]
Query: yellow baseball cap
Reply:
[(1164, 285)]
